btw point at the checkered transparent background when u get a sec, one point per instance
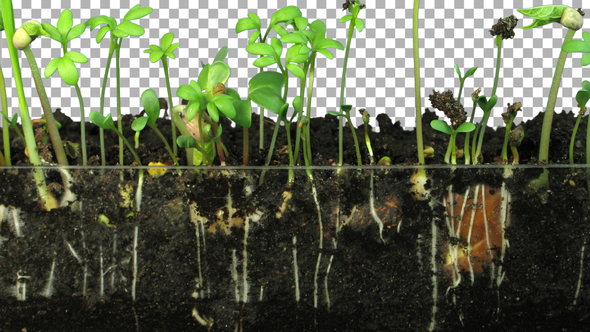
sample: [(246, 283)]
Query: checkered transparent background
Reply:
[(380, 68)]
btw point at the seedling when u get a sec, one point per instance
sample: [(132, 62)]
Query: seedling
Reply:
[(118, 32), (345, 113), (454, 111), (163, 52), (582, 98), (513, 138), (573, 20), (354, 7), (64, 33), (366, 117), (48, 201), (151, 105)]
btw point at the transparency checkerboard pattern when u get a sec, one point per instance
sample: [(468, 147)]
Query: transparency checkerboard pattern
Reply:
[(380, 68)]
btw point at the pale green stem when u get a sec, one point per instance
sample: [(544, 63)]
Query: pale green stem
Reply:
[(5, 126), (419, 140), (168, 148), (102, 96), (58, 147), (82, 125), (548, 118), (574, 138), (342, 89), (170, 105)]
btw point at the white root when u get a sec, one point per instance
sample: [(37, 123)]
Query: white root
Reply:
[(197, 220), (49, 290), (580, 275), (433, 254), (139, 190), (21, 286), (134, 282), (374, 212), (321, 246), (296, 270)]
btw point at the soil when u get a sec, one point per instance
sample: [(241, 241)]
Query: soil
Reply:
[(214, 244)]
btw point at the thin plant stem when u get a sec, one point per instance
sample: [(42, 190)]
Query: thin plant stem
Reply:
[(356, 142), (342, 89), (419, 140), (300, 112), (102, 97), (58, 147), (574, 138), (548, 118), (82, 125), (5, 126), (270, 150), (49, 202), (119, 117), (168, 148), (309, 98), (170, 105), (468, 137), (506, 136)]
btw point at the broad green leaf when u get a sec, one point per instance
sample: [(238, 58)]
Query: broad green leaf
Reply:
[(52, 31), (139, 123), (359, 24), (151, 104), (294, 55), (578, 45), (318, 27), (76, 32), (582, 97), (155, 56), (297, 103), (586, 85), (187, 92), (68, 71), (221, 54), (213, 112), (136, 12), (76, 57), (301, 23), (277, 46), (326, 53), (294, 37), (224, 105), (102, 121), (243, 116), (197, 88), (101, 33), (543, 15), (192, 109), (119, 33), (465, 127), (255, 18), (441, 126), (280, 30), (296, 70), (285, 14), (310, 35), (166, 41), (131, 28), (264, 61), (253, 37), (246, 24), (346, 18), (260, 49), (218, 72), (51, 67), (265, 90), (486, 105), (65, 22), (345, 108)]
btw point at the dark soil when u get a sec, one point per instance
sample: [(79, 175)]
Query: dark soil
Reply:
[(373, 285)]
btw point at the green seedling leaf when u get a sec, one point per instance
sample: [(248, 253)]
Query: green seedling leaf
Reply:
[(286, 14), (470, 72), (192, 109), (255, 18), (582, 97), (300, 23), (346, 18), (485, 104), (76, 32), (139, 123), (154, 55), (359, 24), (295, 37), (253, 37), (465, 127), (264, 61), (188, 92), (280, 30), (247, 24), (127, 28), (213, 112), (294, 54), (151, 104), (218, 72), (224, 105), (297, 103), (586, 85), (260, 49), (52, 31), (136, 12), (334, 113), (66, 67), (543, 15), (243, 109), (283, 112), (221, 54), (104, 122), (65, 22), (346, 108), (277, 46), (579, 46), (441, 126), (458, 71), (166, 40), (76, 57), (102, 19), (186, 141), (296, 70), (265, 90)]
